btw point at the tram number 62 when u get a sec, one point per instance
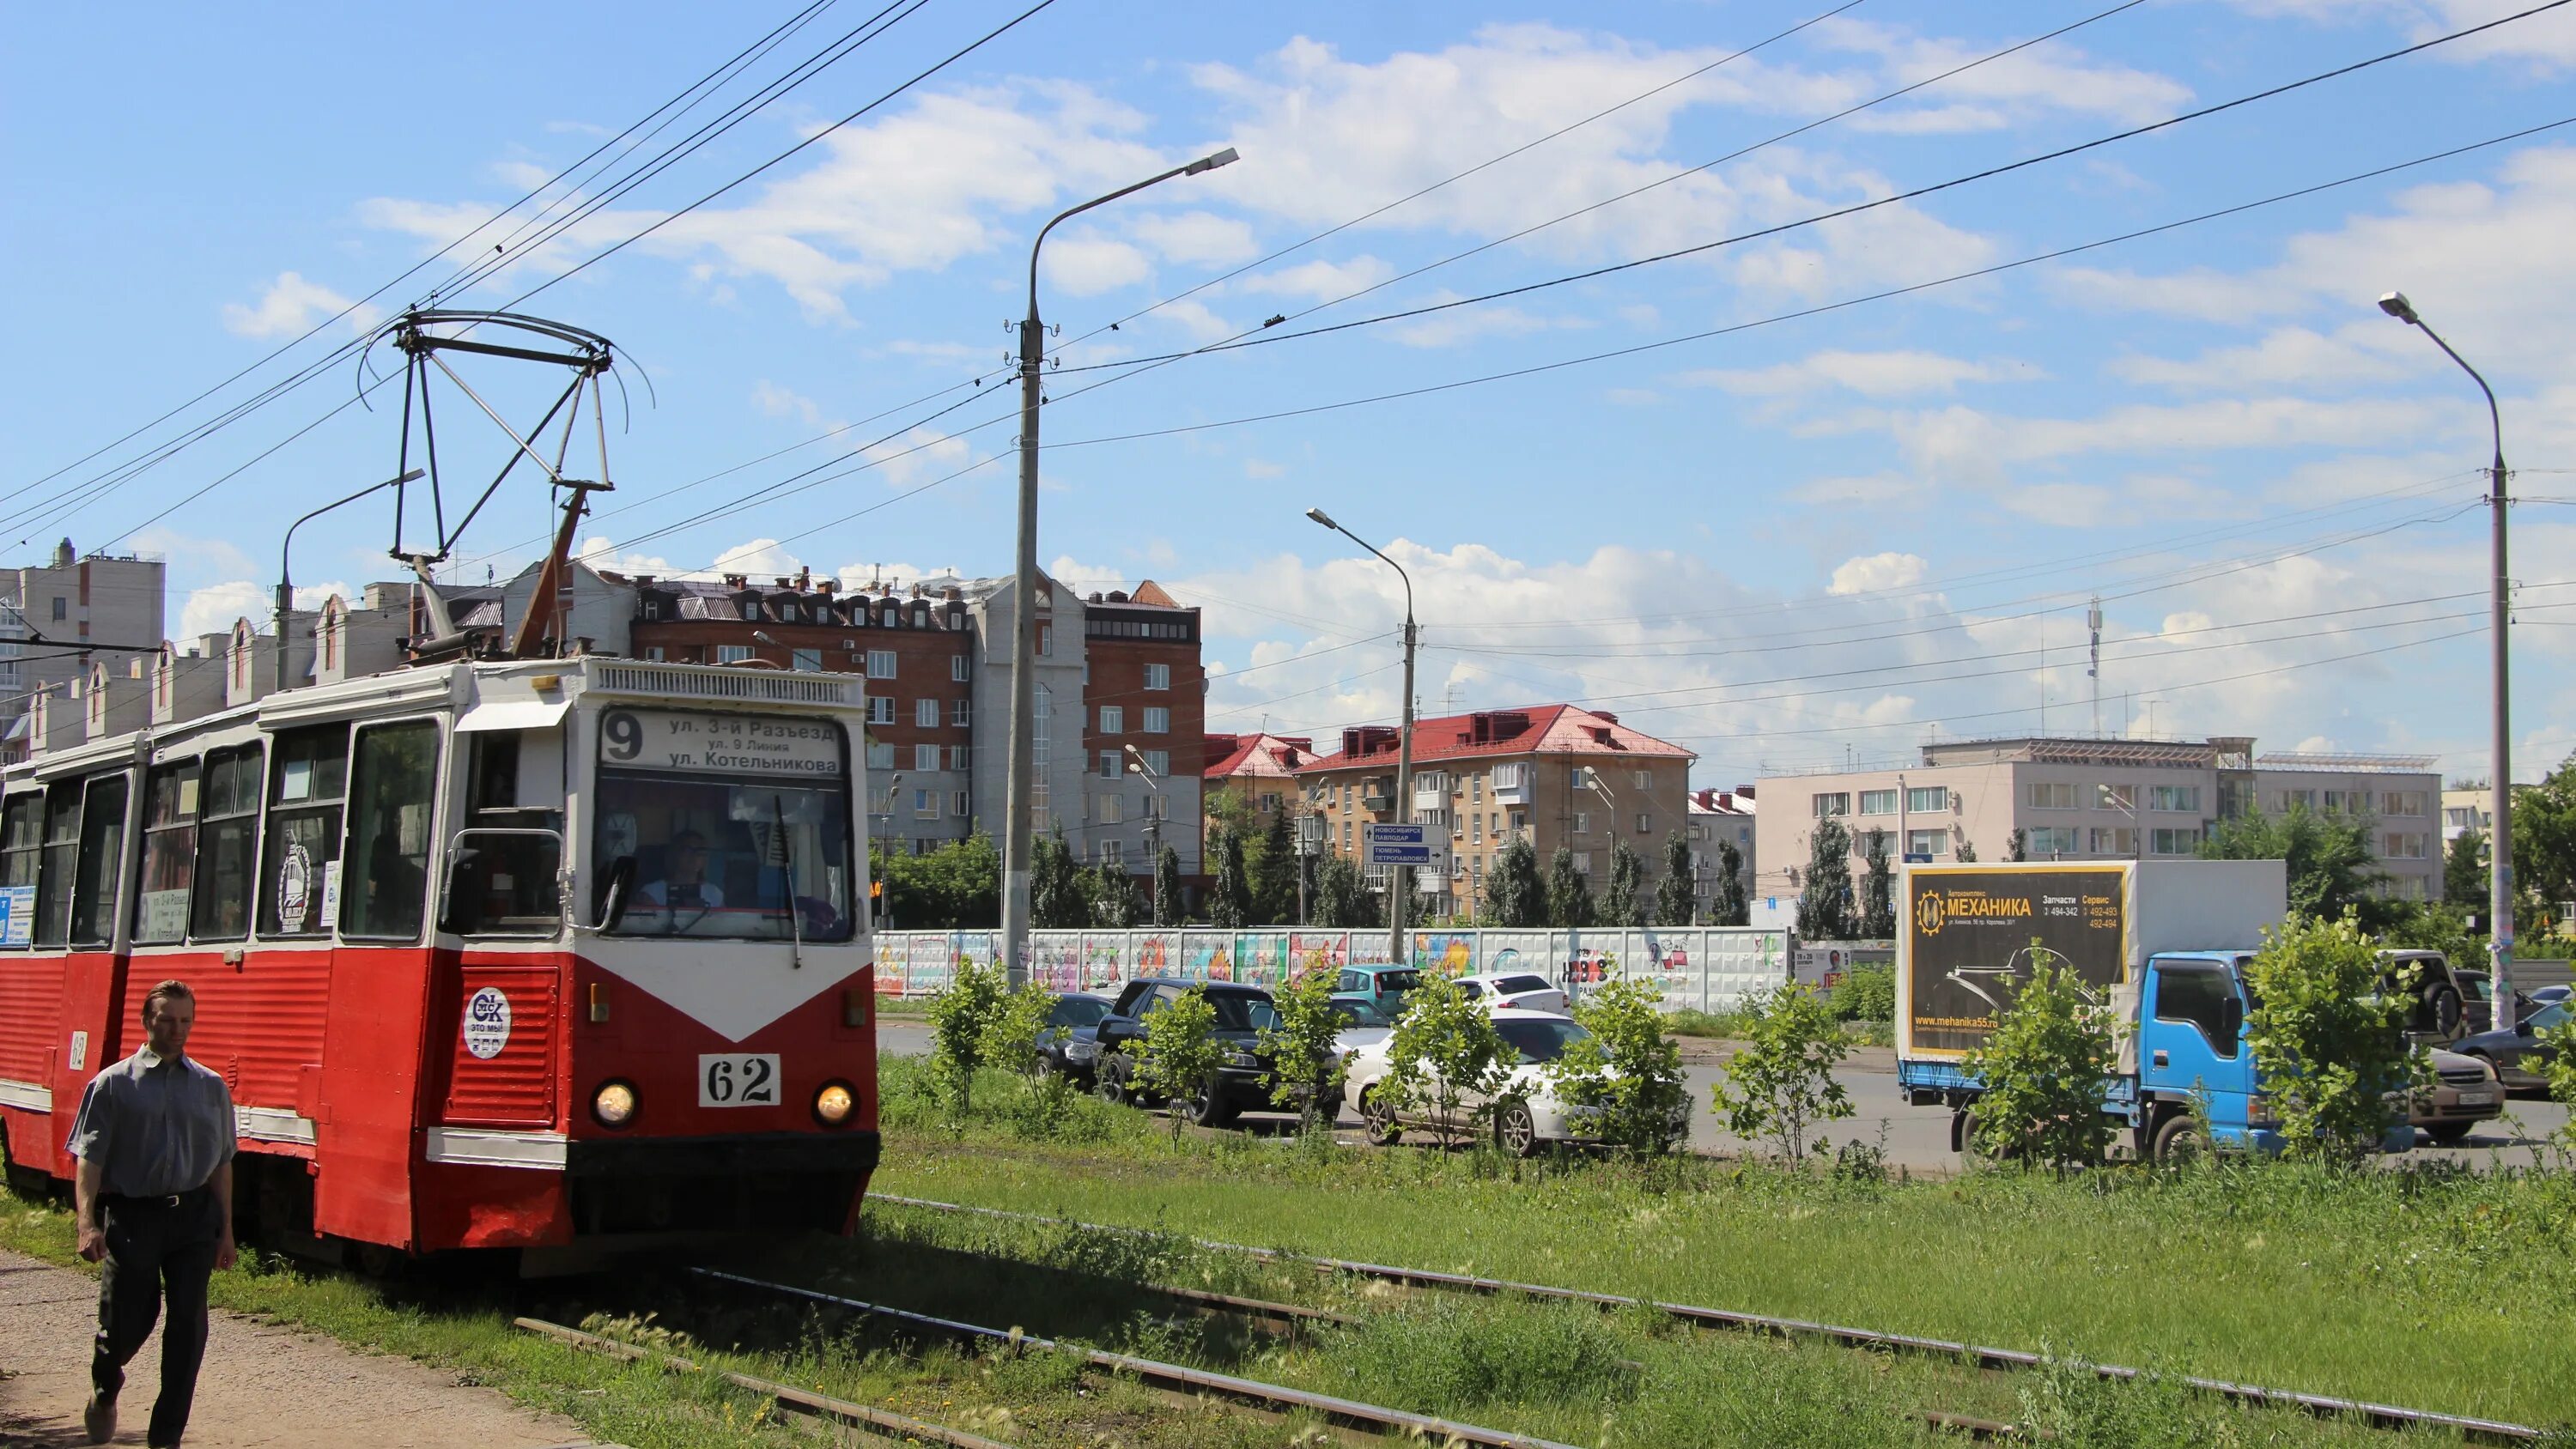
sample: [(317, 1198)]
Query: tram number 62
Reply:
[(738, 1080)]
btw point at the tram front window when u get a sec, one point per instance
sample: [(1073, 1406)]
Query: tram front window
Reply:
[(724, 826)]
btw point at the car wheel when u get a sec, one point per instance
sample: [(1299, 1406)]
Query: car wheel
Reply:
[(2447, 1133), (1378, 1124), (1515, 1130), (1207, 1107), (1109, 1081), (2179, 1141)]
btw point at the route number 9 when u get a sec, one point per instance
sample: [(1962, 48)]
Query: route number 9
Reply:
[(747, 1079), (623, 734)]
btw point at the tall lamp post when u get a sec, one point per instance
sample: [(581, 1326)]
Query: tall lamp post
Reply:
[(885, 843), (1399, 878), (1016, 826), (286, 586), (1154, 818), (2500, 845)]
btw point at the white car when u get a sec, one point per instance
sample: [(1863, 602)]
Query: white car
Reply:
[(1531, 993), (1527, 1112)]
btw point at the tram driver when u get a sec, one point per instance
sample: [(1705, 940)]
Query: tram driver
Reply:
[(684, 887)]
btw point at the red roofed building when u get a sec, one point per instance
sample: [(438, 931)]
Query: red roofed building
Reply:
[(1557, 774), (1259, 769)]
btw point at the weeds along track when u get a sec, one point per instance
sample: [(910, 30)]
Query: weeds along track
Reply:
[(2004, 1360)]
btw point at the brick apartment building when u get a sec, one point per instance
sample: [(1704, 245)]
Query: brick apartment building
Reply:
[(1555, 774), (1144, 697)]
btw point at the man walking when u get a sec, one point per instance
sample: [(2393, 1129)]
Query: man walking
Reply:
[(155, 1193)]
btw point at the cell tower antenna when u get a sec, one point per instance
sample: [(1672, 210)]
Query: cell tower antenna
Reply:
[(2093, 670)]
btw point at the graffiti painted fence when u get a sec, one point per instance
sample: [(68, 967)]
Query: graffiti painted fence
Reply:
[(1702, 968)]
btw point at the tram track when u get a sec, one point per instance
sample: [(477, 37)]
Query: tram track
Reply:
[(2469, 1428)]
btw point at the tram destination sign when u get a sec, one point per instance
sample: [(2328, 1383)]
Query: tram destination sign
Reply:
[(691, 742)]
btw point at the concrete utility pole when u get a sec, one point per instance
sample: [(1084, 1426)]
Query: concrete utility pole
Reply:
[(1399, 878), (1017, 827), (2499, 601)]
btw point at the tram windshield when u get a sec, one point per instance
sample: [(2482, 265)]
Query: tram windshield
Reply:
[(724, 825)]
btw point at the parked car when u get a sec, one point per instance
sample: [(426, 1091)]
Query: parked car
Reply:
[(2465, 1093), (2438, 1015), (1069, 1042), (1530, 993), (1376, 992), (2548, 994), (2521, 1060), (2477, 1005), (1527, 1112), (1243, 1013)]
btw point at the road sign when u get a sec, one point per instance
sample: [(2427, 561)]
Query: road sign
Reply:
[(1392, 844), (1918, 857)]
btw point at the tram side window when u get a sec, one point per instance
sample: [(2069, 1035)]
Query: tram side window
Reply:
[(22, 835), (307, 784), (102, 862), (62, 851), (227, 839), (389, 800), (169, 854)]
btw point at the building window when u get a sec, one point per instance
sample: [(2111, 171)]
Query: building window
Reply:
[(2114, 840), (2404, 845), (1157, 808), (1583, 822), (2181, 841), (1927, 842), (1109, 764), (1270, 803), (957, 805), (1475, 829), (1039, 729), (2116, 797), (1159, 763), (1046, 640), (925, 758), (62, 607), (1346, 835), (1645, 823), (880, 757), (1877, 802), (2351, 802), (960, 756), (653, 653), (957, 667), (2178, 799), (1475, 789), (1113, 809), (732, 653), (1113, 852), (1158, 676), (1158, 720), (961, 712), (1836, 803), (1928, 797), (881, 709), (925, 713), (1578, 777), (1583, 862), (880, 664), (1520, 821), (2049, 840), (2405, 802), (1113, 719), (2052, 795), (809, 660), (925, 804)]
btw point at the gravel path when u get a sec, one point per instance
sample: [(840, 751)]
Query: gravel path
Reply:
[(263, 1386)]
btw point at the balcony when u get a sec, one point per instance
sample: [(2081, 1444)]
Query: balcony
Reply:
[(1511, 784)]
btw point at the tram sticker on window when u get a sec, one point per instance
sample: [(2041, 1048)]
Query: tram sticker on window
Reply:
[(294, 889), (487, 1023), (17, 914), (738, 1079), (719, 744)]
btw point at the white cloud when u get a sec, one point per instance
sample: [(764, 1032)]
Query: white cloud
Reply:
[(2043, 78), (1872, 488), (2285, 357), (1322, 281), (1085, 263), (290, 306), (1876, 573), (2544, 43), (780, 402), (1196, 238), (212, 609), (1871, 374)]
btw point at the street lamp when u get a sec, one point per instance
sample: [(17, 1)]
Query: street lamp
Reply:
[(1154, 817), (893, 783), (1016, 825), (2500, 844), (1399, 878), (286, 588), (762, 635)]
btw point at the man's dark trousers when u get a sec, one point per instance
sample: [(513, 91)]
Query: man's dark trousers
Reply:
[(157, 1248)]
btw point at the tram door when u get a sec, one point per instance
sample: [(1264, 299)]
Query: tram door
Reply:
[(503, 898)]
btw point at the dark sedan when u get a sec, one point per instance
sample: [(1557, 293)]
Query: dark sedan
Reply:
[(1069, 1041), (1243, 1013), (2520, 1058)]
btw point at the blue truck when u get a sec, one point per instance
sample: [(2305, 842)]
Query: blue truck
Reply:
[(2161, 944)]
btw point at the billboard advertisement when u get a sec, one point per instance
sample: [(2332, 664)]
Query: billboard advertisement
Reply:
[(1974, 935)]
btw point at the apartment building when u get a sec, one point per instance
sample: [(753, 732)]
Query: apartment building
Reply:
[(1720, 816), (1144, 697), (70, 602), (1259, 769), (1555, 774), (2096, 799)]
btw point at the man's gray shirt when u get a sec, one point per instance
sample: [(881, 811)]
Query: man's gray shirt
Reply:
[(154, 1125)]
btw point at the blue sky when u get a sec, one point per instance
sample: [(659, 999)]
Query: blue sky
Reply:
[(1796, 542)]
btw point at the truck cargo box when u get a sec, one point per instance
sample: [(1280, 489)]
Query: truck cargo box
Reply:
[(1968, 935)]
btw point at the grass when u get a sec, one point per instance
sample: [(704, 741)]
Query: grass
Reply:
[(2438, 1289), (1735, 1025)]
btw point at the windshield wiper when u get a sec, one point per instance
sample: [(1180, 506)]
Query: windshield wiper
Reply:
[(787, 883)]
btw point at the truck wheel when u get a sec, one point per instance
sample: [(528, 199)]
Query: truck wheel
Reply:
[(2179, 1140), (2442, 1008), (1378, 1125)]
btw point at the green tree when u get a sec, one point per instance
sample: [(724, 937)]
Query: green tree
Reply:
[(1514, 894), (2560, 1042), (1445, 1059), (1878, 890), (961, 1029), (1967, 853), (2045, 1070), (1305, 1056), (1730, 907), (1179, 1057), (1779, 1085), (955, 887), (1675, 897), (1273, 872), (2328, 1039), (1569, 892), (1114, 902), (1624, 902), (1229, 899), (2331, 865), (1059, 896), (1825, 901), (1342, 896), (2017, 848), (2464, 871), (1167, 887), (2544, 843), (1627, 1070)]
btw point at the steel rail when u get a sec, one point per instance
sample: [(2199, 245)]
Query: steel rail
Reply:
[(2377, 1415), (1348, 1412), (803, 1401)]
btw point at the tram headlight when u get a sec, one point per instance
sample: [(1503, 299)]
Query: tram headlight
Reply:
[(613, 1105), (833, 1104)]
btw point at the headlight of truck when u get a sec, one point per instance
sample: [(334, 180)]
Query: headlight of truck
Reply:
[(613, 1105), (833, 1104)]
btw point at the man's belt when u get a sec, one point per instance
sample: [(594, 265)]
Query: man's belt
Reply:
[(148, 1200)]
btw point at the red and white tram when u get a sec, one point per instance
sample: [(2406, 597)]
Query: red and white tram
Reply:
[(543, 954)]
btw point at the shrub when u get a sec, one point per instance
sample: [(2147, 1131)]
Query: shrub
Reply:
[(1180, 1054), (1445, 1058), (1866, 993), (1781, 1084), (1470, 1351), (1627, 1070), (1305, 1061), (2045, 1071), (2328, 1039), (961, 1029)]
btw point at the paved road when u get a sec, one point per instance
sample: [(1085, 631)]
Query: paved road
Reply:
[(1918, 1138)]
